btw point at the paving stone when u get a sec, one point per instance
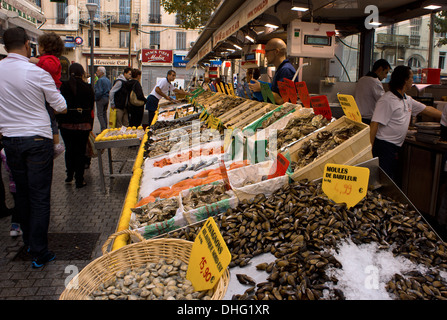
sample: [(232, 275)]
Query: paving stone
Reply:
[(86, 210)]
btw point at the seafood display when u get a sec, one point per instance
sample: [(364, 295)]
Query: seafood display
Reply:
[(121, 133), (298, 128), (153, 212), (207, 194), (224, 105), (324, 141), (163, 126), (302, 228), (164, 280), (278, 115)]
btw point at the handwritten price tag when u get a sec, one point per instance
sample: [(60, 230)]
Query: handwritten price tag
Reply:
[(209, 257), (320, 105), (292, 90), (267, 93), (346, 184), (283, 91), (303, 93), (279, 167), (349, 107)]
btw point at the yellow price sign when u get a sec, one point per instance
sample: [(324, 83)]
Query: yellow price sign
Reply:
[(346, 184), (209, 257), (349, 107)]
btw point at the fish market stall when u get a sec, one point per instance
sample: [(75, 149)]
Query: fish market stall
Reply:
[(298, 244)]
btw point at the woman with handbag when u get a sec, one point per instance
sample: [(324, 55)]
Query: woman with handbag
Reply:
[(76, 124), (136, 100)]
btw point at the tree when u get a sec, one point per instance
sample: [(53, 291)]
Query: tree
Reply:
[(191, 13), (440, 26)]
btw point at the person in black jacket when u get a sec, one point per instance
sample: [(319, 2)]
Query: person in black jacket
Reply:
[(136, 112), (76, 124)]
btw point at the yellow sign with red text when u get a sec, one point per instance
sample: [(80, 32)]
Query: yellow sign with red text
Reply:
[(349, 107), (346, 184), (209, 257)]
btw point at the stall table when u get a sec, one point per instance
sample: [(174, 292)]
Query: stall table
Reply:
[(122, 143)]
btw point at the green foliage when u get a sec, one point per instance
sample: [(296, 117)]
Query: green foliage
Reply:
[(191, 13), (440, 24)]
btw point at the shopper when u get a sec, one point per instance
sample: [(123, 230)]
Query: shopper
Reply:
[(51, 47), (4, 210), (102, 89), (276, 54), (136, 111), (391, 118), (77, 123), (369, 89), (28, 140), (118, 98), (15, 230), (163, 89)]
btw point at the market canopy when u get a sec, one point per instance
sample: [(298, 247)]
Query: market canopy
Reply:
[(234, 19)]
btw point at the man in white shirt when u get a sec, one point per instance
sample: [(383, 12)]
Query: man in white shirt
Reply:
[(163, 89), (391, 118), (27, 138), (369, 89)]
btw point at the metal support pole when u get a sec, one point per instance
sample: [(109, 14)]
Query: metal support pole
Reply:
[(92, 55), (130, 34)]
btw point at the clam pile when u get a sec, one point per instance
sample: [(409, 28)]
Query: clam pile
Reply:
[(300, 226), (153, 212), (163, 126), (164, 280), (204, 195), (298, 128), (323, 142)]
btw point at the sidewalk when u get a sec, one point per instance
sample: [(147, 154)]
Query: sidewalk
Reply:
[(81, 221)]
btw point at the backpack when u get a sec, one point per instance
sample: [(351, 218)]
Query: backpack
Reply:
[(122, 95)]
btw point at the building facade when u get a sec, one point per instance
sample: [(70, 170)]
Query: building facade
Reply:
[(24, 13), (151, 30)]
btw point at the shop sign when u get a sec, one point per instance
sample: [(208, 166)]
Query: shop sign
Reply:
[(111, 62), (179, 61), (156, 56)]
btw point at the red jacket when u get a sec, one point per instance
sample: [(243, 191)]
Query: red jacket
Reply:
[(52, 65)]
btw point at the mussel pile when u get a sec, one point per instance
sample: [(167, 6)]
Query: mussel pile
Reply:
[(323, 142), (300, 226), (298, 128)]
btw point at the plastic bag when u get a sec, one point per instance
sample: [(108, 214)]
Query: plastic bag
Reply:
[(112, 118)]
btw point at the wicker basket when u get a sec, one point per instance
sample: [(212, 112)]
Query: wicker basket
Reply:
[(132, 256)]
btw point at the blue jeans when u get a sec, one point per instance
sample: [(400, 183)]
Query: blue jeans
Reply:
[(31, 162)]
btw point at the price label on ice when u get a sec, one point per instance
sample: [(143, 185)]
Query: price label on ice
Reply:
[(209, 257), (346, 184)]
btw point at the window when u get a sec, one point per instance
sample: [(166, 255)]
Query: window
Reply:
[(441, 62), (414, 63), (124, 11), (124, 39), (178, 20), (154, 38), (181, 41), (154, 11), (96, 35), (61, 12)]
